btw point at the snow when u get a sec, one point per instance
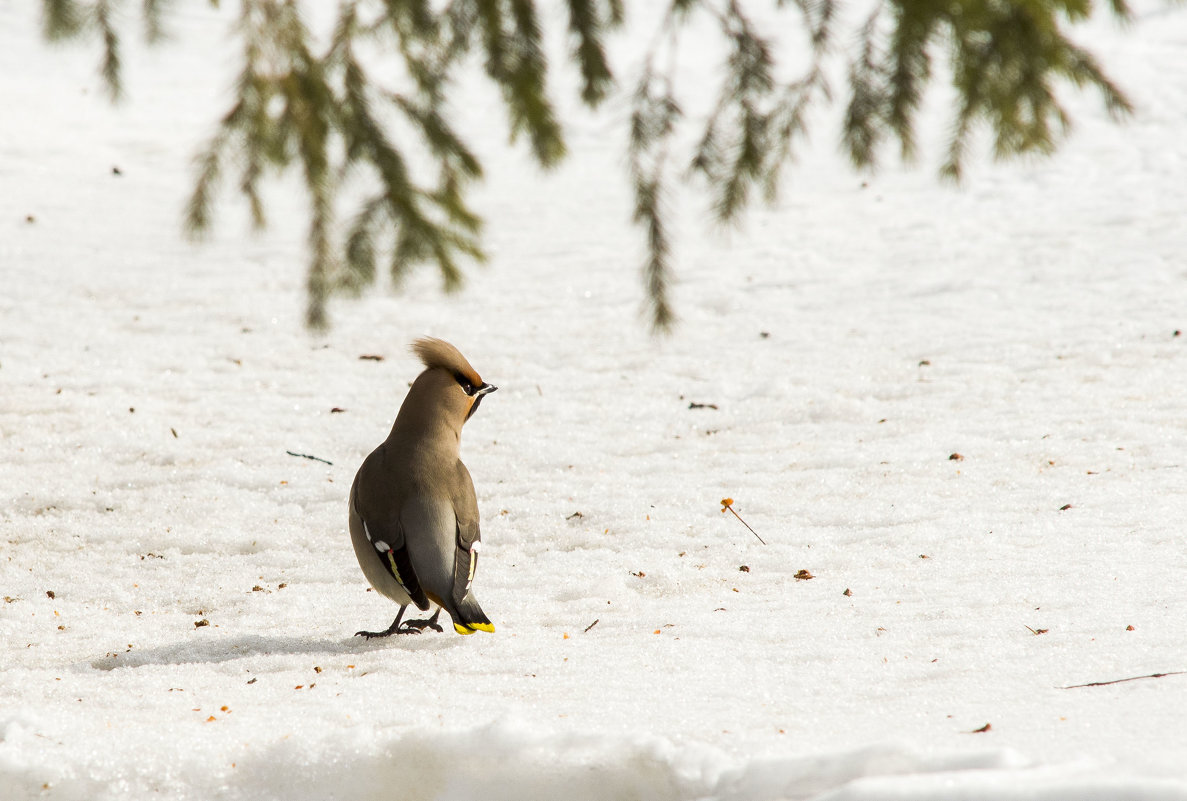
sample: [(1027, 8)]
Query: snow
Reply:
[(852, 340)]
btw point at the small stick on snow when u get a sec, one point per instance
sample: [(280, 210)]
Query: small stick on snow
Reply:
[(1119, 681), (728, 503), (591, 625), (307, 456)]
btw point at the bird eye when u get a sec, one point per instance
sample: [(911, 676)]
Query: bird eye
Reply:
[(465, 384)]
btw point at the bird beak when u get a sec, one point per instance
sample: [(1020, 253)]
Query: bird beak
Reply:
[(479, 393)]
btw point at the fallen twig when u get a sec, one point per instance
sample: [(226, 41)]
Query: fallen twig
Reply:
[(728, 504), (1119, 681), (307, 456), (591, 625)]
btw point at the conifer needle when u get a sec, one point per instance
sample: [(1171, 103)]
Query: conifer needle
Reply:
[(728, 504)]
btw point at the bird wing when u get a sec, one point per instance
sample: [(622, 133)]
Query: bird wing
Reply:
[(465, 561), (383, 528), (391, 547), (468, 539)]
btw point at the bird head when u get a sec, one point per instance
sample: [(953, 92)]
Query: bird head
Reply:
[(449, 384)]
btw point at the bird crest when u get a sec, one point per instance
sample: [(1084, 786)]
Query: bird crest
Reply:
[(435, 352)]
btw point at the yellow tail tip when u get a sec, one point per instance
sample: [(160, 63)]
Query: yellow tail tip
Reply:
[(460, 629)]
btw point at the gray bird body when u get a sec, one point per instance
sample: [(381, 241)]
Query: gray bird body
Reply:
[(413, 512)]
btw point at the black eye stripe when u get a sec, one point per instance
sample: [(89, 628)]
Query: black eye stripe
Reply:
[(465, 384)]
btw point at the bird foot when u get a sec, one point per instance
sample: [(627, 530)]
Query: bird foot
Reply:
[(420, 625), (406, 628)]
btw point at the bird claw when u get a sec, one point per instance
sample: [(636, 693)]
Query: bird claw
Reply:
[(404, 629), (400, 626)]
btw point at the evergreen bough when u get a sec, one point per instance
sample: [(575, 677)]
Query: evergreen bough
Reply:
[(323, 109)]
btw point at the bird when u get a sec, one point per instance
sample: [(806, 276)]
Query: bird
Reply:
[(413, 512)]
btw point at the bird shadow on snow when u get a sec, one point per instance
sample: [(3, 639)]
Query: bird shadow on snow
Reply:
[(214, 651)]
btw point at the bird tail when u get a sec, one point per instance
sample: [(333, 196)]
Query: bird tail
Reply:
[(468, 617)]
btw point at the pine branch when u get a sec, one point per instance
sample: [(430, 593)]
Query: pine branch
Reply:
[(308, 104), (586, 25), (649, 191), (1083, 68), (818, 17), (109, 66), (751, 131), (1121, 9), (909, 73), (61, 20), (442, 140), (654, 116), (953, 166), (524, 89), (1006, 59), (197, 217), (788, 124), (419, 238), (861, 133), (153, 12), (361, 256), (323, 110)]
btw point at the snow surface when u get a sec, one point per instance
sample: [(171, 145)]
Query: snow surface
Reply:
[(851, 341)]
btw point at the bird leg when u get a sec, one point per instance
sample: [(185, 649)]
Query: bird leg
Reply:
[(431, 623), (408, 627)]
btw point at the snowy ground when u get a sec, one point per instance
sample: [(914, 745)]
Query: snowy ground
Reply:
[(852, 341)]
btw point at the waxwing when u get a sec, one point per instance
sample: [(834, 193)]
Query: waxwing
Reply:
[(413, 513)]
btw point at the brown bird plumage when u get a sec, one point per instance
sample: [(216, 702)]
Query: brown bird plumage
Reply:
[(413, 512)]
